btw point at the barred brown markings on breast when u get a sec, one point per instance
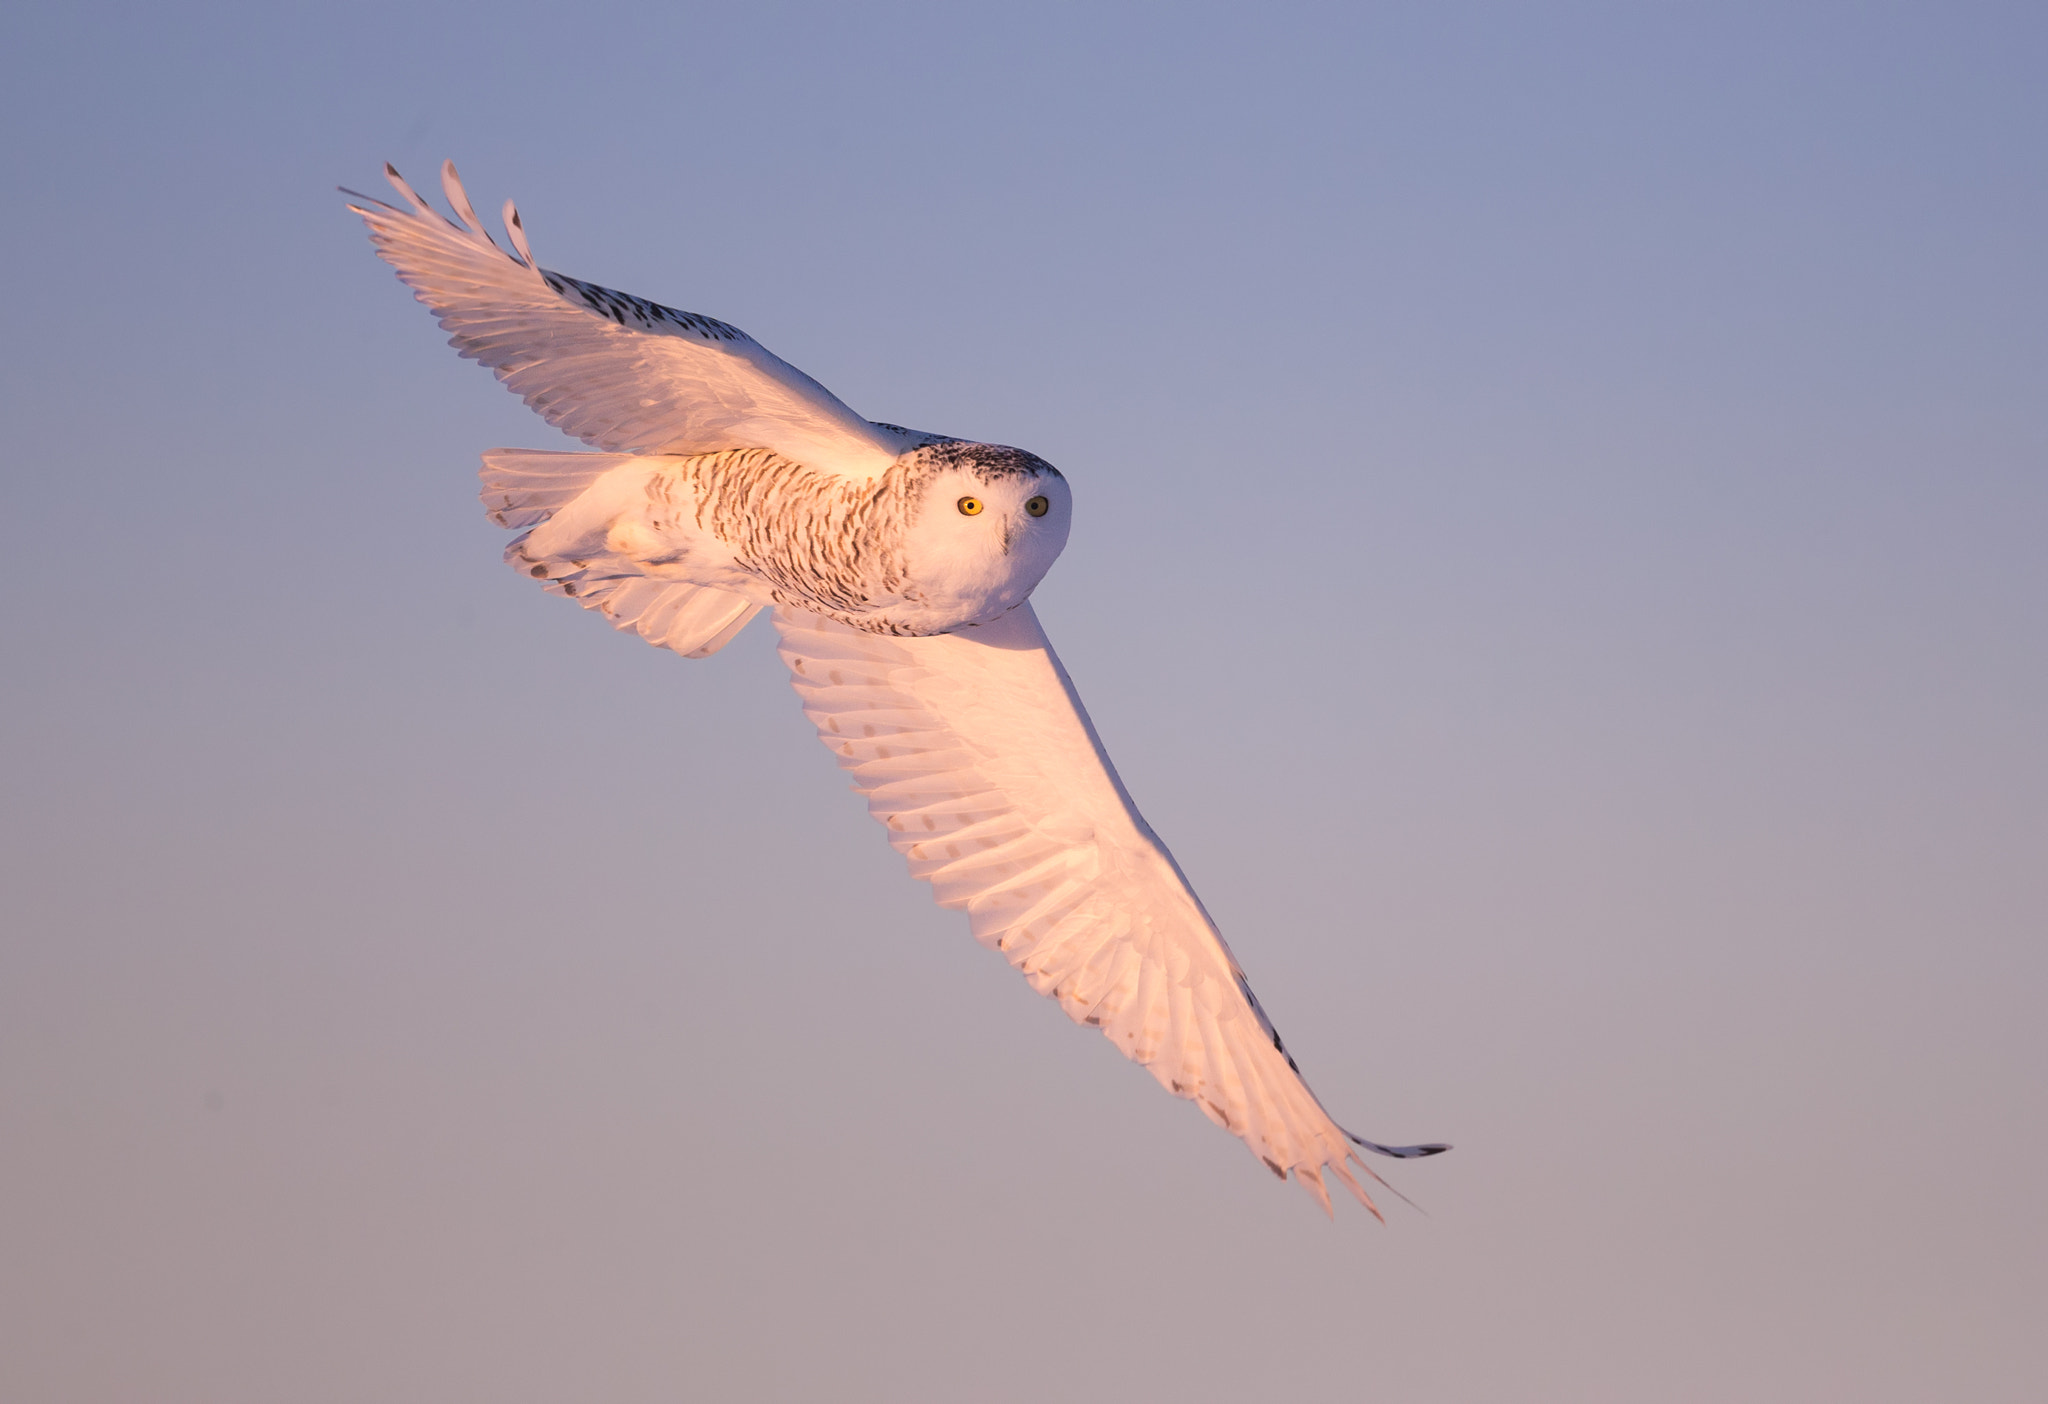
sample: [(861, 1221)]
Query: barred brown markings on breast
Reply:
[(819, 540)]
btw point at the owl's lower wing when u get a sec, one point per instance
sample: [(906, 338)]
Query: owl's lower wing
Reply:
[(976, 753), (619, 372)]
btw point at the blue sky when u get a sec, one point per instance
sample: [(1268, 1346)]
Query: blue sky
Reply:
[(1558, 554)]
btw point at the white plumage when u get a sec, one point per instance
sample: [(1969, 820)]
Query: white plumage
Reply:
[(898, 566)]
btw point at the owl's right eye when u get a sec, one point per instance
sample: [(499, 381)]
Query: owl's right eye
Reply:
[(970, 506)]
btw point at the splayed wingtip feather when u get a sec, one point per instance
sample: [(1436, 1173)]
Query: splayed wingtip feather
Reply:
[(458, 200), (412, 196), (515, 229)]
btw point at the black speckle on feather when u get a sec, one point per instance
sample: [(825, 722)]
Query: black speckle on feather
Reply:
[(642, 312)]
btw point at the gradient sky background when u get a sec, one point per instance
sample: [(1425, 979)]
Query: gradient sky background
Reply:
[(1561, 545)]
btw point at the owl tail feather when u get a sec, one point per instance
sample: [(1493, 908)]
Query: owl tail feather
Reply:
[(523, 488)]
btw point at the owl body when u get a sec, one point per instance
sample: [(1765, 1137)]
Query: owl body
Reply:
[(950, 534)]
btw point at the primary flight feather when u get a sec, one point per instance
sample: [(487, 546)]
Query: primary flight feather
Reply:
[(898, 567)]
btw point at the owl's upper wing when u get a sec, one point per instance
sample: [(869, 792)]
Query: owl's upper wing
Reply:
[(617, 371), (974, 750)]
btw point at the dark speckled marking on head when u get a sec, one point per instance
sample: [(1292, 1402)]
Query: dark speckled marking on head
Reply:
[(989, 462)]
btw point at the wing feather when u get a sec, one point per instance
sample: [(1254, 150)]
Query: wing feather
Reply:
[(975, 753), (619, 372)]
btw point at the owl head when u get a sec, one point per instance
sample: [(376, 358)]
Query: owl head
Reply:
[(986, 522)]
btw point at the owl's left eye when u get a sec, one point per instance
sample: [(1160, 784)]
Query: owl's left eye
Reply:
[(1037, 506), (970, 506)]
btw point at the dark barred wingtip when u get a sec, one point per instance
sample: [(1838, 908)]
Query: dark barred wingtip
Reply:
[(366, 199), (1399, 1152)]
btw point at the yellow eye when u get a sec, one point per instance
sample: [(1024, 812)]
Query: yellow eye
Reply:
[(1037, 506), (970, 506)]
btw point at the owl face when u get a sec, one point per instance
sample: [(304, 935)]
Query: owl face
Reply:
[(989, 523)]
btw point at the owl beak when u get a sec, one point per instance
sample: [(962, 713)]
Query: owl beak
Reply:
[(1009, 532)]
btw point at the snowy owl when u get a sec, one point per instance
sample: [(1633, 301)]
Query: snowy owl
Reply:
[(898, 567)]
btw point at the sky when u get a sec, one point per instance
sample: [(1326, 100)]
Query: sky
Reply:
[(1558, 554)]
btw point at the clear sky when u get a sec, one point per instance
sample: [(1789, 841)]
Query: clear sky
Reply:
[(1560, 553)]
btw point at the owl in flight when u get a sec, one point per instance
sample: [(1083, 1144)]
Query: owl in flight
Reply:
[(897, 567)]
